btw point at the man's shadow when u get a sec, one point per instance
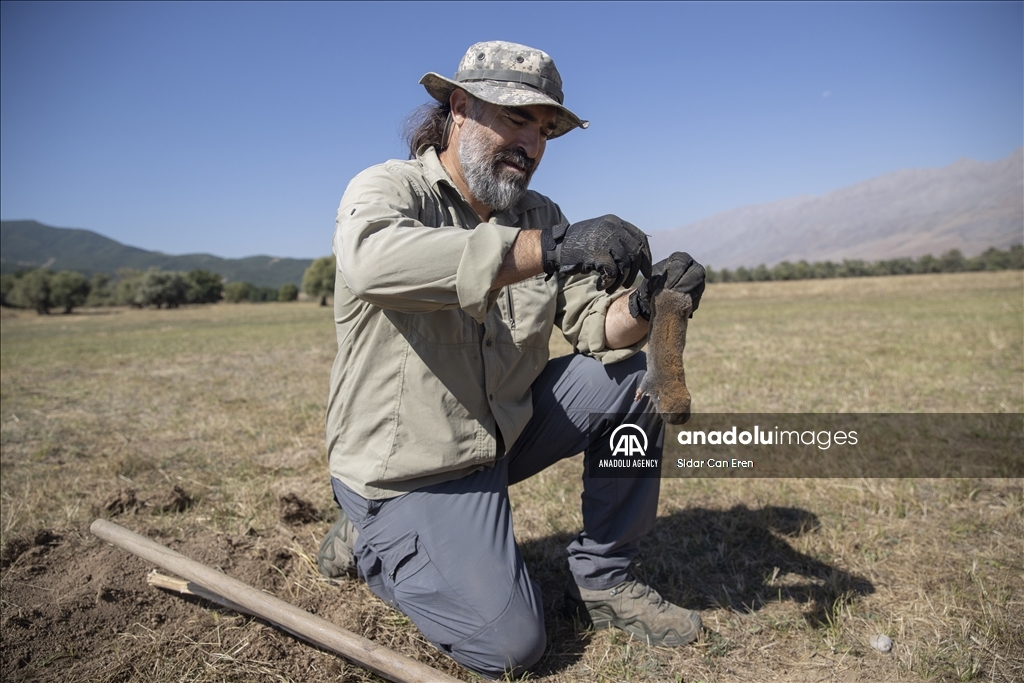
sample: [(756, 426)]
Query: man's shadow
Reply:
[(739, 559)]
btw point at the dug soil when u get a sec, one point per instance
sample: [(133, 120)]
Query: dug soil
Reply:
[(78, 609)]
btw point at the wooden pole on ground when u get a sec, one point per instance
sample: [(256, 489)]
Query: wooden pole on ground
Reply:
[(309, 627)]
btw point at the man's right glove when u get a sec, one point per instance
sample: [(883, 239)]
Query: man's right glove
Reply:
[(617, 250), (678, 272)]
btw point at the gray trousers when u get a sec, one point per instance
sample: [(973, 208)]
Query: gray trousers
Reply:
[(446, 556)]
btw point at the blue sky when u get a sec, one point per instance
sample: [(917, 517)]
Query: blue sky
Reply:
[(234, 128)]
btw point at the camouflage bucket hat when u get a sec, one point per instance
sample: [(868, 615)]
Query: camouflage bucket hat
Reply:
[(509, 75)]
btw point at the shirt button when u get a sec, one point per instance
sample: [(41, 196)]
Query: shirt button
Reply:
[(488, 342)]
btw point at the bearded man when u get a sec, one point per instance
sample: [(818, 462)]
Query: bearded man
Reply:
[(451, 278)]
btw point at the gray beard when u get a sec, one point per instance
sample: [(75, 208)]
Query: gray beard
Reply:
[(486, 181)]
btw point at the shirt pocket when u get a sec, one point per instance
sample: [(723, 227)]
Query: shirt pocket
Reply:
[(530, 311)]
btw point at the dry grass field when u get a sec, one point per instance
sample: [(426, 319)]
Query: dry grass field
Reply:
[(202, 428)]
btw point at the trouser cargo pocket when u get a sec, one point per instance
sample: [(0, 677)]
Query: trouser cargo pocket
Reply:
[(422, 593)]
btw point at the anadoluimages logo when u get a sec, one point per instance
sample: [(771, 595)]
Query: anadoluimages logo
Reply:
[(628, 440)]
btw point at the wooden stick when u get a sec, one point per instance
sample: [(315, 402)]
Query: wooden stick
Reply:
[(309, 627), (171, 583)]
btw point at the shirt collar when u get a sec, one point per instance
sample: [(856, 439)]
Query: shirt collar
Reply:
[(436, 173), (434, 170)]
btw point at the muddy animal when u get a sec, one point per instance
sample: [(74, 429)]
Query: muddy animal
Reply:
[(665, 381)]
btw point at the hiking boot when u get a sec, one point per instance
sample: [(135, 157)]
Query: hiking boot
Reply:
[(335, 558), (635, 608)]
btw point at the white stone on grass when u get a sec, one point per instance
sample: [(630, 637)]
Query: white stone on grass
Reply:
[(880, 642)]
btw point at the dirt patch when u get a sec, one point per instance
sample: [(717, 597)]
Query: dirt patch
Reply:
[(128, 501), (76, 608), (295, 510)]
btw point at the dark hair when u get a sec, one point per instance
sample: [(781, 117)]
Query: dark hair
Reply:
[(425, 126)]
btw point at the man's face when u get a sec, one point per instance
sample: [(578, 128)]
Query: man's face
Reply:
[(499, 149)]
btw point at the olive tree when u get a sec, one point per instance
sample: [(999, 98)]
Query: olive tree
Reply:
[(162, 288), (101, 290), (32, 290), (204, 287), (288, 292), (128, 282), (318, 280), (7, 283), (952, 261), (237, 292), (68, 290)]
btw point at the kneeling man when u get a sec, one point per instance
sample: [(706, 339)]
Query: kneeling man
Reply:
[(451, 278)]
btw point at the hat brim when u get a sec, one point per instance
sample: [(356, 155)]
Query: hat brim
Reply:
[(504, 94)]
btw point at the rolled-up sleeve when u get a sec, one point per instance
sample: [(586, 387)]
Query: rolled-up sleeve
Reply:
[(583, 312), (389, 256)]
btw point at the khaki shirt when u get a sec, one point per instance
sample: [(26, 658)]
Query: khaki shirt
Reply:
[(433, 368)]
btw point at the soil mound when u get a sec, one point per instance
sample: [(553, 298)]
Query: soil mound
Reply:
[(76, 608)]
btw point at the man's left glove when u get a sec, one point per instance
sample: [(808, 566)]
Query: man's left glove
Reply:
[(678, 272)]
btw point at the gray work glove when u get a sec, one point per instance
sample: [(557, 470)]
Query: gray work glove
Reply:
[(678, 272), (617, 250)]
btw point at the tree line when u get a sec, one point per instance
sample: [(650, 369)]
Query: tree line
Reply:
[(44, 290), (65, 290), (953, 261)]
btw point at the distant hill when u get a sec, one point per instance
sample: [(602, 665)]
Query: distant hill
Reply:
[(968, 205), (29, 244)]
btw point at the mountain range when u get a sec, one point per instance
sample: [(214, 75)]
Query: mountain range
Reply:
[(968, 205), (29, 244)]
